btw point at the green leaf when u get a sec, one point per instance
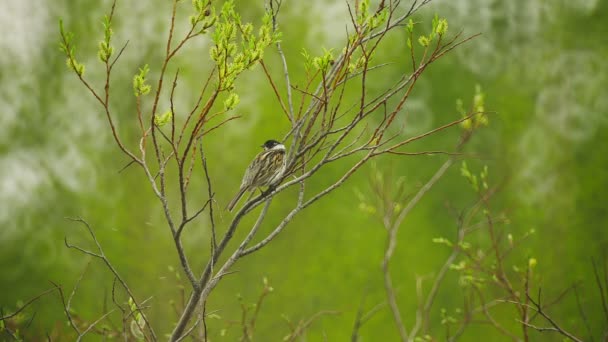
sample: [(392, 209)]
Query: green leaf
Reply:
[(163, 119), (140, 87), (424, 41), (74, 65), (443, 241), (442, 27), (362, 12), (410, 26), (231, 101)]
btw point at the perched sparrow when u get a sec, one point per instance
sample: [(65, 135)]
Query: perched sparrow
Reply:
[(266, 169)]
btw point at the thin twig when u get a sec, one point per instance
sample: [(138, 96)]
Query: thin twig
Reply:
[(600, 287), (582, 314), (93, 325), (29, 302), (107, 262)]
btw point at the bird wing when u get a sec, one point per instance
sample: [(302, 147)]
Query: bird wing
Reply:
[(253, 170)]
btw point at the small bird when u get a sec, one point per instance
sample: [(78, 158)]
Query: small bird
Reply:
[(266, 169)]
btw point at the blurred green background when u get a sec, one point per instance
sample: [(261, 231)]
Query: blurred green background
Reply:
[(541, 64)]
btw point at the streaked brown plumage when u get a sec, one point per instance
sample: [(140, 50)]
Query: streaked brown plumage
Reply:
[(266, 169)]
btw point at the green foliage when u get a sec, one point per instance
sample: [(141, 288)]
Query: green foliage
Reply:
[(105, 49), (140, 87), (368, 21), (459, 266), (438, 30), (359, 64), (362, 11), (424, 41), (230, 58), (479, 100), (163, 119), (325, 61), (447, 319), (137, 323), (470, 278), (231, 101), (204, 15), (410, 30), (479, 118), (378, 19), (484, 177), (443, 241), (307, 60), (472, 178), (475, 180), (367, 208), (410, 26), (73, 64), (440, 26), (66, 45)]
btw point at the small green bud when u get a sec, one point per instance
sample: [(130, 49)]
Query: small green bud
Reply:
[(410, 26), (458, 267), (424, 41), (163, 119), (74, 65), (479, 99), (362, 12), (210, 20), (480, 118), (247, 30), (231, 101), (139, 82), (105, 51), (442, 27), (442, 241)]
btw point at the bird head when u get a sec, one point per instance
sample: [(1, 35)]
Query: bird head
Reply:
[(273, 145)]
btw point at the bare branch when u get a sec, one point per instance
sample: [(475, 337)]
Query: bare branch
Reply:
[(538, 307), (275, 13), (598, 282), (276, 91), (29, 302), (80, 336), (582, 314), (109, 265), (66, 309), (361, 318), (303, 326)]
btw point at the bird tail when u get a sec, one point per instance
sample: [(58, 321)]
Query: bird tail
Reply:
[(236, 199)]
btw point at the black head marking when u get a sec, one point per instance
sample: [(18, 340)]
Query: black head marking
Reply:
[(270, 144)]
